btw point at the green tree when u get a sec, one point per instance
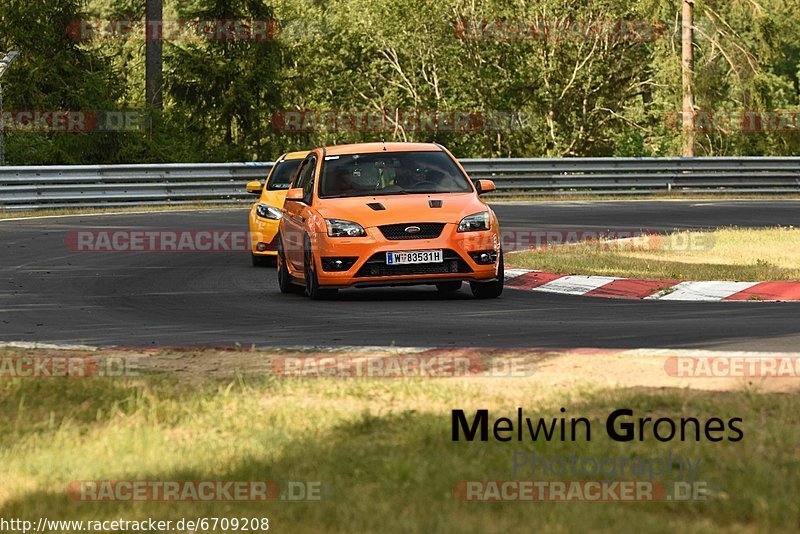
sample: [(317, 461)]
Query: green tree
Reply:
[(224, 90), (56, 72)]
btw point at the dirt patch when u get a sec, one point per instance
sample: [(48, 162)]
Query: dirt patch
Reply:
[(495, 369)]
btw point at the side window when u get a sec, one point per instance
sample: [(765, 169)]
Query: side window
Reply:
[(307, 178), (301, 174)]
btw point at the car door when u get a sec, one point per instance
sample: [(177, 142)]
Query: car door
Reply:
[(296, 213)]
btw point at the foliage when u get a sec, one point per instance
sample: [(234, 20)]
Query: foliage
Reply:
[(575, 92)]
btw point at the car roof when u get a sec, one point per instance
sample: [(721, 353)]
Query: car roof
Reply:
[(366, 148), (294, 155)]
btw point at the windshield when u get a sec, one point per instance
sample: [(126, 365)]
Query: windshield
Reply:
[(282, 175), (391, 173)]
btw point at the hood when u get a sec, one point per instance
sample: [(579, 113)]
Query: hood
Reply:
[(274, 198), (402, 208)]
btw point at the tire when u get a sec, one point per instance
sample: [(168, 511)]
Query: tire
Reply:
[(263, 261), (284, 278), (490, 290), (448, 287), (313, 289)]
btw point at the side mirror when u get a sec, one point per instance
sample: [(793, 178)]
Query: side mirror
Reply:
[(254, 187), (484, 186), (295, 195)]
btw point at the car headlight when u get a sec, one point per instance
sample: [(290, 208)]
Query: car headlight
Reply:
[(265, 211), (340, 228), (477, 222)]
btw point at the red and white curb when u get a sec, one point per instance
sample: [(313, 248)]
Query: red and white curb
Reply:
[(626, 288)]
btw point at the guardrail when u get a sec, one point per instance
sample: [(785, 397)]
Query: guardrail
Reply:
[(94, 186)]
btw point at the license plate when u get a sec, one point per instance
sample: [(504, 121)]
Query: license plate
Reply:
[(411, 257)]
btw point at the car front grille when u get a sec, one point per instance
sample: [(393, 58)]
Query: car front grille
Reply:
[(398, 232), (376, 266)]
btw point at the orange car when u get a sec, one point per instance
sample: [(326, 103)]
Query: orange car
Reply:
[(387, 214), (266, 213)]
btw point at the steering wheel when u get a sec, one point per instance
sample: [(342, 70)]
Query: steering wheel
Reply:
[(425, 185)]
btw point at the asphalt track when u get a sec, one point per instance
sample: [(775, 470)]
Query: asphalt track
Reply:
[(50, 294)]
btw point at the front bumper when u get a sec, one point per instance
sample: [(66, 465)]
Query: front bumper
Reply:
[(263, 234), (364, 259)]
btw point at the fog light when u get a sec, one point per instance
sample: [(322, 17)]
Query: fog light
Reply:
[(338, 264), (484, 257), (262, 247)]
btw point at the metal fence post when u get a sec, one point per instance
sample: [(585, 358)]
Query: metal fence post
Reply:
[(4, 64), (2, 129)]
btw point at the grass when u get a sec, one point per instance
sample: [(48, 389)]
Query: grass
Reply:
[(726, 254), (381, 449)]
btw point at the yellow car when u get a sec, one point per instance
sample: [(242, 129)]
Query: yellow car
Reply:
[(266, 213)]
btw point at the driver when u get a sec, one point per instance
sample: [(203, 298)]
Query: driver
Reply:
[(342, 182), (408, 178)]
